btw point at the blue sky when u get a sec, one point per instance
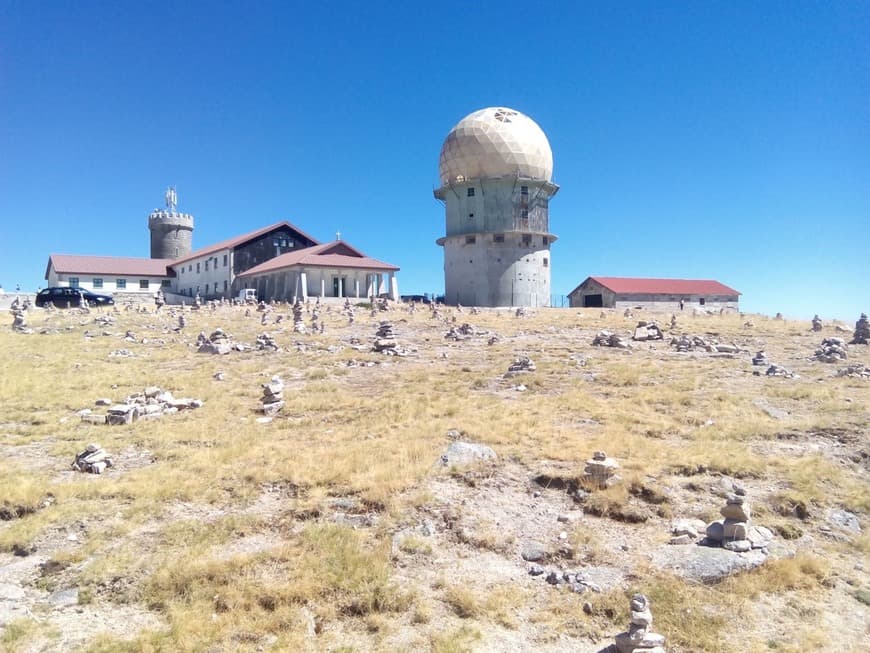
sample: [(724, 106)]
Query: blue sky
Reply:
[(701, 140)]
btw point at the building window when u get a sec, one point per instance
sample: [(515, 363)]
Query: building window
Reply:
[(225, 281), (525, 215), (197, 268), (98, 283), (206, 265), (470, 240), (73, 282), (498, 238), (120, 284), (545, 241), (527, 239), (190, 268), (702, 301), (143, 284), (546, 262), (225, 259), (524, 190), (166, 283), (470, 192)]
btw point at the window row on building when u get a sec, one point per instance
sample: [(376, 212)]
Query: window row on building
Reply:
[(499, 238), (99, 283)]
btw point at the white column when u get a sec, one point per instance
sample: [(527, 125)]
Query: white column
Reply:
[(356, 284), (322, 285), (340, 285), (370, 278), (394, 287), (303, 280)]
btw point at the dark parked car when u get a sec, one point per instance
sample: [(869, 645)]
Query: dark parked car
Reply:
[(63, 297)]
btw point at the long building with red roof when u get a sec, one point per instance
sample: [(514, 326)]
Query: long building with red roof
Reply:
[(657, 294)]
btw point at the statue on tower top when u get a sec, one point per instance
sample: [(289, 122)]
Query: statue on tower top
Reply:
[(171, 199)]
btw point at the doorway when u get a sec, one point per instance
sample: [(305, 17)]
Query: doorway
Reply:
[(593, 301)]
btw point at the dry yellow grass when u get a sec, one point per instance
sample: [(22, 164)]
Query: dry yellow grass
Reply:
[(373, 435)]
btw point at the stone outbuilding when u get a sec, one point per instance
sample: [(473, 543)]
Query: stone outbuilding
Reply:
[(672, 295)]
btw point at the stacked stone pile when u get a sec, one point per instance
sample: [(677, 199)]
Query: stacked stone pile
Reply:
[(273, 397), (607, 339), (779, 370), (734, 532), (182, 322), (862, 331), (266, 342), (19, 321), (93, 460), (760, 358), (106, 319), (383, 304), (817, 323), (521, 365), (152, 403), (832, 350), (521, 312), (857, 371), (687, 342), (385, 340), (600, 471), (640, 638), (647, 331), (463, 332), (217, 343), (298, 317)]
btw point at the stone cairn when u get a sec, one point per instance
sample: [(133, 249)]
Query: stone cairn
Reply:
[(521, 365), (687, 343), (217, 343), (19, 321), (93, 460), (832, 350), (606, 339), (273, 397), (152, 403), (760, 358), (640, 638), (734, 532), (779, 370), (600, 471), (298, 317), (385, 339), (521, 312), (463, 332), (182, 322), (266, 342), (862, 331), (647, 331), (856, 371), (817, 323)]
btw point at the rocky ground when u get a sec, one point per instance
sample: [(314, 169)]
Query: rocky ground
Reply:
[(498, 539)]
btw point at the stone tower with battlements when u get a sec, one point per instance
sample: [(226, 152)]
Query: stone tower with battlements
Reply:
[(171, 231)]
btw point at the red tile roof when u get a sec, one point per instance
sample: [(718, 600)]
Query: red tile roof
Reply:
[(109, 265), (625, 285), (336, 254), (240, 240)]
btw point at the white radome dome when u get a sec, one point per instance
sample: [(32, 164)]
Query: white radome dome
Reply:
[(495, 142)]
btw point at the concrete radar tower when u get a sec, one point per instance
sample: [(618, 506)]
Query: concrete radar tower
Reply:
[(171, 231), (496, 168)]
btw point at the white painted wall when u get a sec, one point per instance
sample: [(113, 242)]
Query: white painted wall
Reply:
[(188, 281), (109, 282)]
